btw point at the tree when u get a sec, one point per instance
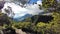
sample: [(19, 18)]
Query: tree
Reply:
[(51, 5), (4, 19)]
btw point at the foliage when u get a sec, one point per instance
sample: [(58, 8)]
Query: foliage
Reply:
[(50, 27), (4, 19), (21, 25), (51, 5), (42, 28), (48, 3)]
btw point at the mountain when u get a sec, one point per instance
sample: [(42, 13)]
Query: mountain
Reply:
[(22, 18)]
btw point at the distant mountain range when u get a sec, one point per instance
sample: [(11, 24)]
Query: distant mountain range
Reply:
[(22, 18)]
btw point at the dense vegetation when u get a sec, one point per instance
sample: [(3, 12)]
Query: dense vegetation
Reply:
[(41, 27)]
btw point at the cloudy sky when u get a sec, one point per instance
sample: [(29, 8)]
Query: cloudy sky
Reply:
[(21, 11)]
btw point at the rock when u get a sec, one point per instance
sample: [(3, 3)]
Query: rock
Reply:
[(19, 31)]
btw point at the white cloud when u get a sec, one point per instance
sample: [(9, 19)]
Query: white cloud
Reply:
[(21, 11), (39, 2), (33, 9)]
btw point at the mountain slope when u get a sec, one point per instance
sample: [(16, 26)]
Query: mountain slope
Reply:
[(22, 17)]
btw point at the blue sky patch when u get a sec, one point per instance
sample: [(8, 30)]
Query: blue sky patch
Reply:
[(32, 1)]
